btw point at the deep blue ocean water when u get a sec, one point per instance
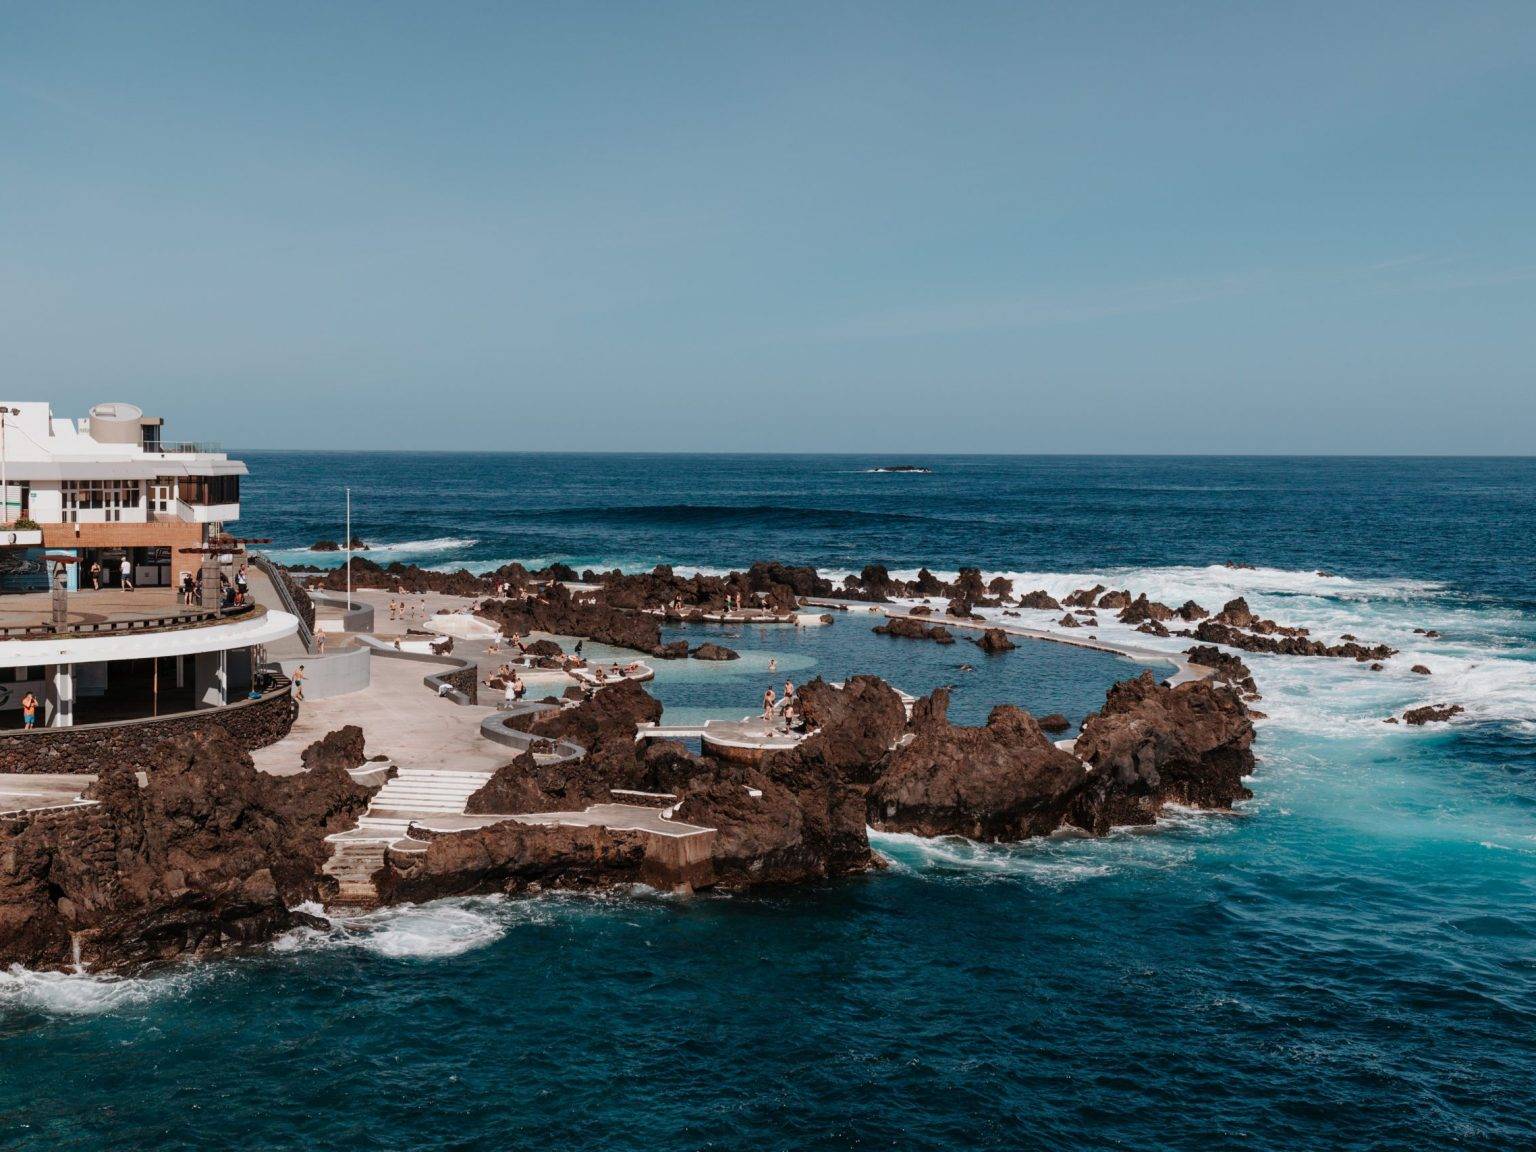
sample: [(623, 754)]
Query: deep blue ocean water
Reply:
[(1348, 963)]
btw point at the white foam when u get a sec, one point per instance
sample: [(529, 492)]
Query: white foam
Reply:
[(411, 931), (419, 547), (76, 994)]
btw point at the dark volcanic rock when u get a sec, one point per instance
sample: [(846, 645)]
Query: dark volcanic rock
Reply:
[(1432, 714), (1214, 632), (209, 856), (1190, 611), (914, 630), (1142, 610), (1069, 622), (1041, 599), (1113, 600), (543, 648), (1419, 670), (558, 612), (1084, 597), (1228, 667), (341, 749), (709, 651), (961, 608), (1152, 628), (1152, 744), (1005, 781), (995, 640), (1055, 722)]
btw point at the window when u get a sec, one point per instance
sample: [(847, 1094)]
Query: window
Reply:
[(161, 493), (209, 490), (109, 497)]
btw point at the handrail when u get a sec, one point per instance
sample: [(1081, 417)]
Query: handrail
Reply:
[(280, 584)]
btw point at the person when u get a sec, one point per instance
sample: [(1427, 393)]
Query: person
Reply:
[(518, 687), (298, 683), (242, 585), (29, 710), (789, 689), (125, 569), (509, 692), (96, 575), (768, 704), (773, 663), (320, 641), (578, 646)]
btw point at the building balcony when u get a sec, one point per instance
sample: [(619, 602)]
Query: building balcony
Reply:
[(206, 513)]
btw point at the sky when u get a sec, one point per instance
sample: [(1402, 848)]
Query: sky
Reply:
[(881, 227)]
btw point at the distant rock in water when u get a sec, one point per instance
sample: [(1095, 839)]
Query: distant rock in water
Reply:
[(1041, 599), (914, 630), (1055, 722), (995, 640), (1419, 670), (325, 546), (1069, 621), (1432, 714), (903, 468), (709, 651)]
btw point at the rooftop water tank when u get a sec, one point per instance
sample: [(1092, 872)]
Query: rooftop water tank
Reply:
[(116, 423)]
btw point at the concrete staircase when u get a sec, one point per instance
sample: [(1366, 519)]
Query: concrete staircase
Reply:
[(413, 794), (426, 791)]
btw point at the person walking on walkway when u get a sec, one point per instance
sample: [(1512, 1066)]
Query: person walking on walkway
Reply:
[(125, 570), (96, 575), (298, 683)]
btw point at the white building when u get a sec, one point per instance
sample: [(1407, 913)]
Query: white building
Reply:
[(96, 492)]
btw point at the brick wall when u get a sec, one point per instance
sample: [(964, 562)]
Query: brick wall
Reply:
[(160, 534)]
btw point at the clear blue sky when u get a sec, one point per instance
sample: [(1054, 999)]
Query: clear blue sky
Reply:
[(790, 226)]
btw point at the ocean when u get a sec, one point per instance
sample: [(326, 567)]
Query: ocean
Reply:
[(1347, 962)]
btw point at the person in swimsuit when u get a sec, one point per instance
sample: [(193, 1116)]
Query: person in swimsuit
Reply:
[(298, 683), (29, 710), (768, 704)]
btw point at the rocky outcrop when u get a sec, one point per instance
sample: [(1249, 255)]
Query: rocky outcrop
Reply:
[(1003, 781), (995, 640), (1040, 599), (1084, 597), (1228, 668), (1290, 643), (960, 608), (1432, 714), (1419, 670), (1152, 744), (1190, 611), (208, 856), (708, 651), (1115, 600), (1069, 621), (1141, 611), (910, 629), (1054, 722), (341, 749), (555, 610)]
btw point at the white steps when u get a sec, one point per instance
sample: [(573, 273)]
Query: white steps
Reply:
[(413, 792)]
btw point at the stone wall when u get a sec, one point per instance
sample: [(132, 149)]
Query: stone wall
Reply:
[(467, 681), (251, 724)]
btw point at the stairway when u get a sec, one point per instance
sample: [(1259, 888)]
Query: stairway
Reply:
[(413, 794), (426, 791)]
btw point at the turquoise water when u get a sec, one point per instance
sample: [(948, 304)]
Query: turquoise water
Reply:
[(1348, 963)]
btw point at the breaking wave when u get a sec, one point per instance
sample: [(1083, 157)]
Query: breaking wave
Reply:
[(79, 994)]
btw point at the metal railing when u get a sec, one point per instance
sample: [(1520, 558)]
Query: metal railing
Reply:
[(288, 592)]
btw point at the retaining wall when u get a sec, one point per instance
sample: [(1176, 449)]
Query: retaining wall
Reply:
[(251, 724)]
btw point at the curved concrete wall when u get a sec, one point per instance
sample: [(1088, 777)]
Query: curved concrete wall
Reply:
[(358, 618), (451, 677), (499, 730), (334, 674)]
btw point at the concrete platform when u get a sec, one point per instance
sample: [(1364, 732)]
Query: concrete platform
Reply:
[(27, 792)]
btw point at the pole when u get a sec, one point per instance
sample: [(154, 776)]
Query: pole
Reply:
[(349, 549)]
